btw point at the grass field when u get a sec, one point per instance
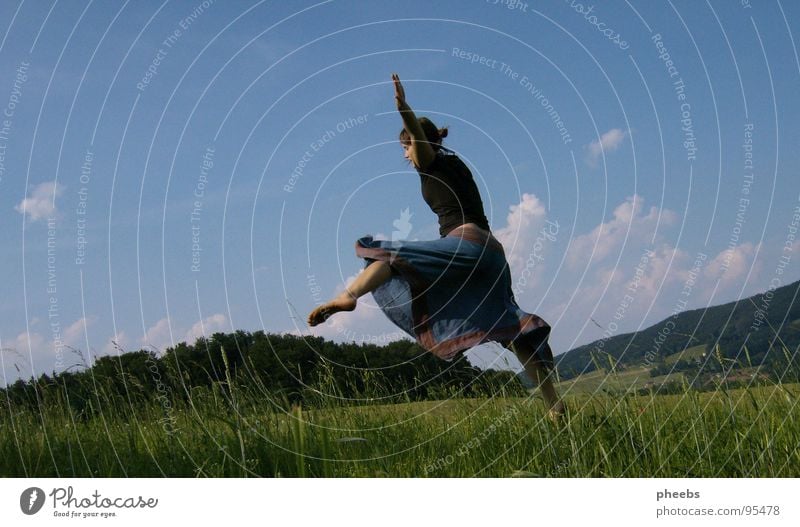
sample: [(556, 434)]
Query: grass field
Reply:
[(217, 431)]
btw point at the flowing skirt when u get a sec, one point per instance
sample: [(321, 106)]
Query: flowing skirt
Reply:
[(454, 293)]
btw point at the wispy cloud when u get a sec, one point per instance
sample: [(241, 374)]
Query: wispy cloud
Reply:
[(118, 342), (40, 204), (34, 353), (629, 222), (608, 142), (522, 227), (158, 335), (216, 323)]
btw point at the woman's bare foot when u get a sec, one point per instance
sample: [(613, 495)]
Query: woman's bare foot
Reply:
[(343, 302), (556, 412)]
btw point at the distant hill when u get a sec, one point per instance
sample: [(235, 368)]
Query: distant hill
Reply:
[(762, 330)]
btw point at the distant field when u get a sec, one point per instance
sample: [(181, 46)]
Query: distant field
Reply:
[(749, 432), (695, 352), (630, 379), (636, 377)]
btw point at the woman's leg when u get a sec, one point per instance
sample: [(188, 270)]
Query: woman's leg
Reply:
[(369, 279), (543, 378)]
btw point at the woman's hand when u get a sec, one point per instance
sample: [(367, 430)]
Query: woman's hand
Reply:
[(399, 92), (421, 152)]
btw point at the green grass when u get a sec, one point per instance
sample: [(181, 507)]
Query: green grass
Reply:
[(243, 431)]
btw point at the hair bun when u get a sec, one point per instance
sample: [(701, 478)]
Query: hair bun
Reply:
[(443, 132)]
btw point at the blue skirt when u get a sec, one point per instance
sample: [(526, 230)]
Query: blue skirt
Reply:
[(454, 293)]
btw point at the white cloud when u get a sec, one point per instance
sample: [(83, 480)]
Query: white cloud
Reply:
[(593, 284), (31, 344), (18, 354), (41, 202), (121, 340), (35, 353), (158, 335), (628, 222), (207, 327), (628, 298), (732, 264), (74, 334), (667, 267), (608, 142), (523, 225)]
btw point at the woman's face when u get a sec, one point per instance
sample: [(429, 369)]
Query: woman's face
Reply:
[(408, 151)]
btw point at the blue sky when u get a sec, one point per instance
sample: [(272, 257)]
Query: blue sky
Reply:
[(174, 169)]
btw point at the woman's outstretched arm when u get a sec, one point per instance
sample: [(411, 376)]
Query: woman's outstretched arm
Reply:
[(422, 151)]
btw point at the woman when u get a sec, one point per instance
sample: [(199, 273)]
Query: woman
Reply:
[(453, 293)]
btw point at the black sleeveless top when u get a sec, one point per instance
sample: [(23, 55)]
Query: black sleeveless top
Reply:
[(450, 191)]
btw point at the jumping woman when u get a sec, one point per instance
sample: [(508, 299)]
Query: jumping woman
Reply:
[(453, 293)]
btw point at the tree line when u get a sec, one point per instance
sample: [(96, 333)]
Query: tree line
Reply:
[(285, 368)]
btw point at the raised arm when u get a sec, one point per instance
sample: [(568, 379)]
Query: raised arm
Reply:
[(422, 152)]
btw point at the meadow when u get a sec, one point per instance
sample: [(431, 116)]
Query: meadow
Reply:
[(231, 429)]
